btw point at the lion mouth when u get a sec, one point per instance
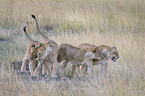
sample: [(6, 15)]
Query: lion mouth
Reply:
[(113, 59)]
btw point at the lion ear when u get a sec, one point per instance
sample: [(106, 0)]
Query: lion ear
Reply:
[(104, 51), (113, 49), (94, 50)]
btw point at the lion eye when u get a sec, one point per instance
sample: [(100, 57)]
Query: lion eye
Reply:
[(33, 45)]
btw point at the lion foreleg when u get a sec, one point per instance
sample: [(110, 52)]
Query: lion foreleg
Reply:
[(89, 65), (37, 70), (89, 68), (32, 66), (103, 69), (77, 68), (23, 67)]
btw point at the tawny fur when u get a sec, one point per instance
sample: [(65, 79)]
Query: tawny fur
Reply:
[(85, 57), (107, 51), (31, 46), (68, 53), (47, 55), (48, 58)]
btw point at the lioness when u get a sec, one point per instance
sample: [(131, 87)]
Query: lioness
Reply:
[(108, 52), (31, 46), (68, 53), (46, 54), (86, 57)]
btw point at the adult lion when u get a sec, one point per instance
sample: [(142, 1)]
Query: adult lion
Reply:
[(110, 53), (85, 57)]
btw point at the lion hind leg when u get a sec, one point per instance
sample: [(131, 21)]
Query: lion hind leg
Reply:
[(83, 69), (64, 64), (73, 69), (54, 68), (23, 67), (62, 67), (43, 69)]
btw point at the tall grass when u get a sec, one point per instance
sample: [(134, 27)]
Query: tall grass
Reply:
[(109, 22)]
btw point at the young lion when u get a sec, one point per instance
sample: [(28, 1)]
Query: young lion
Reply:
[(67, 53), (31, 46), (46, 54), (86, 57), (108, 52)]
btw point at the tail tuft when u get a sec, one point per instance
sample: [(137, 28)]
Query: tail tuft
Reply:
[(24, 28), (33, 16)]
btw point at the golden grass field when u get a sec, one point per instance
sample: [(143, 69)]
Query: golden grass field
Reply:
[(119, 23)]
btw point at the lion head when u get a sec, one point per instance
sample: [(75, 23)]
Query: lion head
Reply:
[(109, 52), (42, 53), (114, 54), (34, 50), (97, 54)]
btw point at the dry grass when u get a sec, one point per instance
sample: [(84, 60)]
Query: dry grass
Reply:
[(110, 22)]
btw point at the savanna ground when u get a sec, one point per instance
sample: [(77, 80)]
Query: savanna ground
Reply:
[(119, 23)]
